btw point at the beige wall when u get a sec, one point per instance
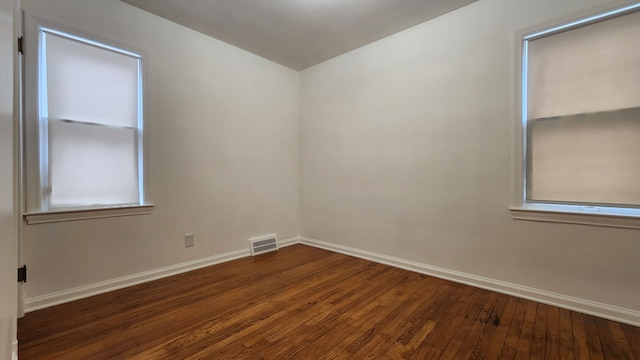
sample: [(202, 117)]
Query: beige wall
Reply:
[(8, 264), (406, 151), (223, 152)]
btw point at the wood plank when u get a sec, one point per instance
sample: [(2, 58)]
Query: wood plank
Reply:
[(468, 333), (492, 348), (581, 349), (482, 325), (304, 302), (396, 337), (467, 304), (315, 338), (596, 351), (510, 346), (552, 346), (391, 306), (632, 336), (483, 330), (609, 345), (566, 343), (401, 350), (539, 341), (236, 326), (526, 335)]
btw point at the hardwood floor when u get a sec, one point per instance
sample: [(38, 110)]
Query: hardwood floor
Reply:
[(306, 303)]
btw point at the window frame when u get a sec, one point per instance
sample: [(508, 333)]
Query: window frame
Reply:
[(35, 208), (522, 208)]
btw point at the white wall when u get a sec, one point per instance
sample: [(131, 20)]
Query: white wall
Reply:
[(406, 151), (223, 151), (8, 263)]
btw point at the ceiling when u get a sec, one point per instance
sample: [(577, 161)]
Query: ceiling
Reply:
[(299, 33)]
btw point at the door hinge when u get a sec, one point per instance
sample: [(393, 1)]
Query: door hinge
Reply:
[(22, 274), (21, 45)]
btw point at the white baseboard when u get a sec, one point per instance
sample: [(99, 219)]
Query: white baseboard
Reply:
[(288, 242), (606, 311), (65, 296)]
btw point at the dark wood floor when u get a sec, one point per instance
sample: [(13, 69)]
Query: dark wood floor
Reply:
[(306, 303)]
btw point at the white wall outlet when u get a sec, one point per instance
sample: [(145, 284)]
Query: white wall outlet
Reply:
[(188, 240)]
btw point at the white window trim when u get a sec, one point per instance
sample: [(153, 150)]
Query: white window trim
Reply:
[(84, 214), (32, 209), (570, 214), (606, 216)]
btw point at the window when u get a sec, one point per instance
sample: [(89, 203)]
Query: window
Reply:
[(85, 131), (581, 115)]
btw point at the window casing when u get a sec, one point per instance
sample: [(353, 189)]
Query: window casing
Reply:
[(580, 111), (84, 153)]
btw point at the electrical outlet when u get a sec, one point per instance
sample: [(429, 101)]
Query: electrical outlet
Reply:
[(188, 240)]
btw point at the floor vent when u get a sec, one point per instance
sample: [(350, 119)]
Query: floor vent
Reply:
[(263, 244)]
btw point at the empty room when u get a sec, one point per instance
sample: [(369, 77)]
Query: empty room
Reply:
[(320, 179)]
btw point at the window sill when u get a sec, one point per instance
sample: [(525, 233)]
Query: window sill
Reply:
[(84, 214), (594, 216)]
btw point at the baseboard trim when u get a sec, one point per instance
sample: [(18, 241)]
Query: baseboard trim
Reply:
[(14, 350), (65, 296), (288, 242), (606, 311)]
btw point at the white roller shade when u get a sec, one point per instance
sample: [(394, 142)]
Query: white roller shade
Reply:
[(91, 84), (91, 117), (587, 69), (583, 114)]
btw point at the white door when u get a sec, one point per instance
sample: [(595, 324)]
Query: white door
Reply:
[(8, 252)]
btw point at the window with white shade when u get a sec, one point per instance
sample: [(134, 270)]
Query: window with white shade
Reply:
[(581, 115), (85, 130)]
